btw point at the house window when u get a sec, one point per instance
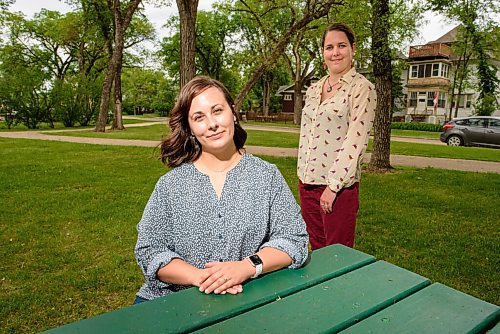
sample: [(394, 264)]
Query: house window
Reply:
[(430, 99), (428, 70), (442, 100), (421, 70), (435, 70), (445, 68), (469, 101), (461, 100), (414, 71), (287, 97), (413, 99)]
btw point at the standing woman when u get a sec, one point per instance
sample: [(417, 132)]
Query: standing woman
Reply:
[(336, 121), (220, 216)]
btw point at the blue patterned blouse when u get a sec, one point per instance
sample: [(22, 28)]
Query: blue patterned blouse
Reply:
[(185, 219)]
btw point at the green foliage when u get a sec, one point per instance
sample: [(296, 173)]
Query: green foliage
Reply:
[(417, 126), (487, 102), (146, 91)]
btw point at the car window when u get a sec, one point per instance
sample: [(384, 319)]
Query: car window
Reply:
[(462, 122), (475, 122), (494, 123)]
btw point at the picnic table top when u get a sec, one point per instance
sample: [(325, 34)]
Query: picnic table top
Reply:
[(339, 290)]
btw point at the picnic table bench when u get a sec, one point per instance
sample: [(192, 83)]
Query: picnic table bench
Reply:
[(339, 290), (265, 118)]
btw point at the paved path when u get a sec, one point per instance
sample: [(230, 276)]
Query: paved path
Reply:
[(396, 160)]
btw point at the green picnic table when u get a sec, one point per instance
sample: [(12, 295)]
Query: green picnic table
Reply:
[(339, 290)]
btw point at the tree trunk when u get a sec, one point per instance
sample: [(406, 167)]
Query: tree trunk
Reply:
[(266, 94), (297, 101), (382, 71), (453, 86), (187, 16), (118, 106), (121, 25)]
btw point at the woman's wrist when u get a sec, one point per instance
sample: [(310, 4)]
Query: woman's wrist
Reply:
[(249, 268)]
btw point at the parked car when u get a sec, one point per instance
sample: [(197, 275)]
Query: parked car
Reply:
[(472, 131)]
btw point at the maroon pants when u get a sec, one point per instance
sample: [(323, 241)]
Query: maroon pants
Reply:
[(332, 228)]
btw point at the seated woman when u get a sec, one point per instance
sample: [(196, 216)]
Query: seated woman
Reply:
[(220, 216)]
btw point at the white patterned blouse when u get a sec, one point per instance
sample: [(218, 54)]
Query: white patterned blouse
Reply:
[(334, 133)]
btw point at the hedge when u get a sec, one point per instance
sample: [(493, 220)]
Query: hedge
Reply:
[(417, 126)]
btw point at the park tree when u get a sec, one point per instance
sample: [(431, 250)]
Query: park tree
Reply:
[(24, 94), (300, 57), (119, 28), (147, 90), (215, 44), (187, 28), (382, 73), (310, 10), (42, 46), (259, 25), (122, 16)]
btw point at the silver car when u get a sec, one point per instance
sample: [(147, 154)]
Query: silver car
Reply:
[(472, 131)]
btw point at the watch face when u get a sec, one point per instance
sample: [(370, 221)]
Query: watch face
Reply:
[(255, 259)]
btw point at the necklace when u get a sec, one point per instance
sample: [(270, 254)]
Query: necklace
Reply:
[(227, 167), (330, 87)]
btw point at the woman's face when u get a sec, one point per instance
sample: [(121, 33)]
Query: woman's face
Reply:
[(212, 121), (337, 52)]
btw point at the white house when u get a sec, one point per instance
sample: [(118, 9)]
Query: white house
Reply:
[(429, 81)]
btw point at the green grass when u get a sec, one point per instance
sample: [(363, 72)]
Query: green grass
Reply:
[(69, 212)]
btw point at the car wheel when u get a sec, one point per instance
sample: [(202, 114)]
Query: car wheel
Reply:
[(454, 140)]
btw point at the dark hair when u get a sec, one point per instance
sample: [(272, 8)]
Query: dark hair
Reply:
[(180, 146), (340, 27)]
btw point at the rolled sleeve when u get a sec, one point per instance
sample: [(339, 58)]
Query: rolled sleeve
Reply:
[(152, 250), (287, 227)]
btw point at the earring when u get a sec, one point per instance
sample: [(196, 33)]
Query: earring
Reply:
[(192, 143), (324, 66)]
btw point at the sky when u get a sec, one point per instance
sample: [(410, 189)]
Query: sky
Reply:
[(435, 27)]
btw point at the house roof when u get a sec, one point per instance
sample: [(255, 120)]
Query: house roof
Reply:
[(450, 37), (287, 89)]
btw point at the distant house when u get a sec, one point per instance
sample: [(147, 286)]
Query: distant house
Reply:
[(287, 94), (429, 81)]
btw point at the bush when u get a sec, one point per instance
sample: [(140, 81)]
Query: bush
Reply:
[(417, 126)]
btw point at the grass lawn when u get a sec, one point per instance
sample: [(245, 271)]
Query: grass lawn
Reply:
[(69, 212), (291, 140)]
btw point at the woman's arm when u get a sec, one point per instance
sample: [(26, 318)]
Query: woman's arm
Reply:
[(220, 276), (362, 112)]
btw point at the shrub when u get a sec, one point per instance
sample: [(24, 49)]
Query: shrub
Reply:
[(417, 126)]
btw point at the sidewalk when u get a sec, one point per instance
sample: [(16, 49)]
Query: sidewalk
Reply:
[(396, 160)]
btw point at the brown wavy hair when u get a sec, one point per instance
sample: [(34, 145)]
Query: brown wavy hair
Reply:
[(180, 146), (340, 27)]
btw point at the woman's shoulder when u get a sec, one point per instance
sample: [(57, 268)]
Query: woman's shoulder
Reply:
[(258, 164), (317, 84), (361, 81), (176, 174)]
